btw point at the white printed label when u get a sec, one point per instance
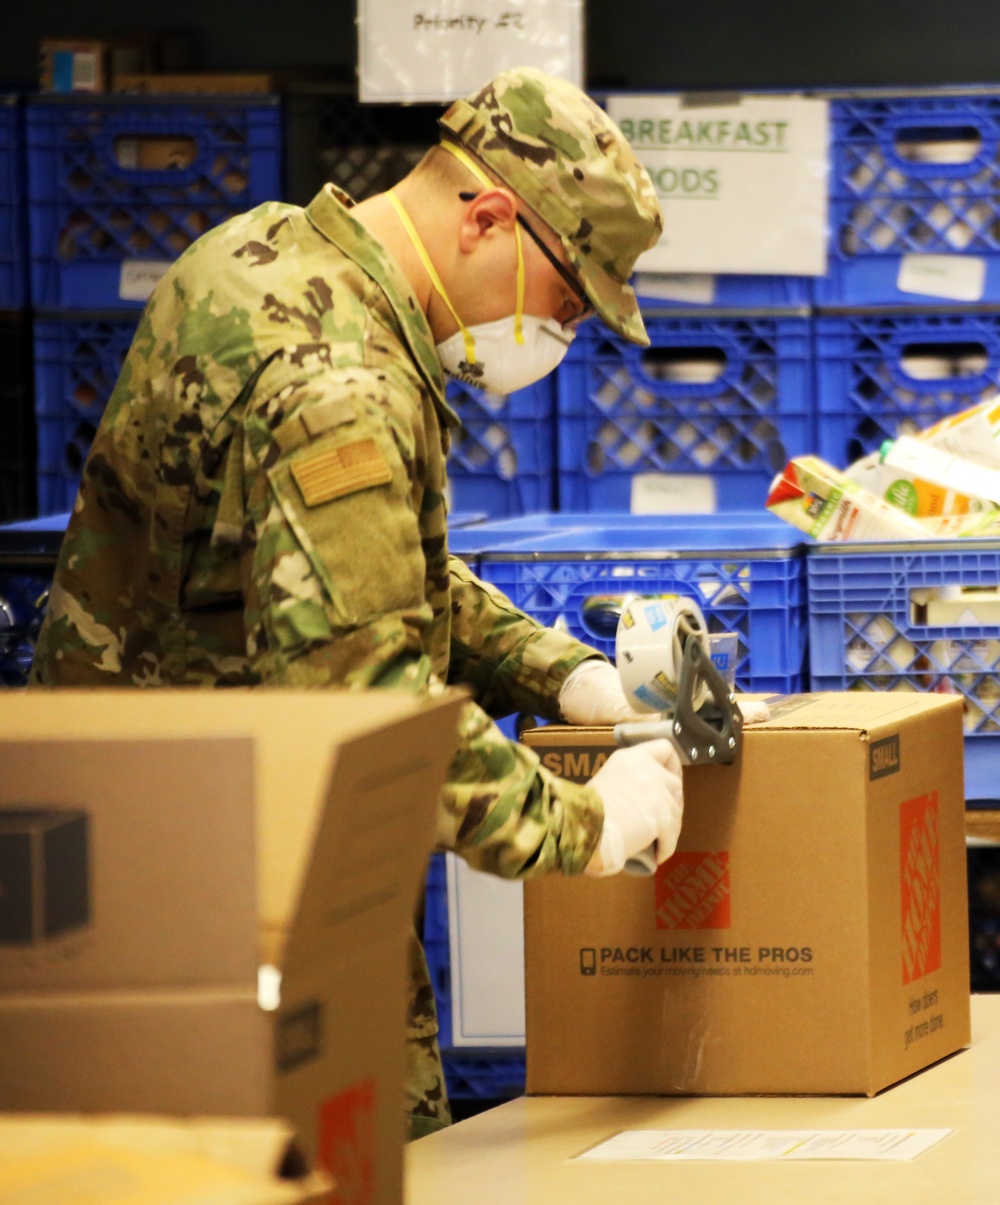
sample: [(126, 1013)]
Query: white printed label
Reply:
[(139, 277), (85, 63), (957, 277), (695, 289), (765, 1145), (673, 494)]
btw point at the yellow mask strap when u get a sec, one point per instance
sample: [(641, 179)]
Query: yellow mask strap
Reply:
[(519, 305), (425, 259), (469, 162), (482, 177)]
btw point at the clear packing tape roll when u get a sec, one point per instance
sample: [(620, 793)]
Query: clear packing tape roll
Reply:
[(665, 664), (649, 648)]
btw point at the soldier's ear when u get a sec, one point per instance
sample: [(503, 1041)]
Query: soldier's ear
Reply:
[(492, 211)]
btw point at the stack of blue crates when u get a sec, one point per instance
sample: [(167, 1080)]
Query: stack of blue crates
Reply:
[(118, 187), (912, 176)]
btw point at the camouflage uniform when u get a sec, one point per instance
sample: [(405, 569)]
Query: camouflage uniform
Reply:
[(264, 502)]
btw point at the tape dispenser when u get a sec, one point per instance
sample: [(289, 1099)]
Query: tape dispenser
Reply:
[(663, 653)]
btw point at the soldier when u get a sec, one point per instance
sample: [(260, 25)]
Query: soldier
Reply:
[(264, 502)]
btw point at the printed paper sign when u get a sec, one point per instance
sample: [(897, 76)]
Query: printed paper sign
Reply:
[(765, 1145), (742, 185), (436, 50)]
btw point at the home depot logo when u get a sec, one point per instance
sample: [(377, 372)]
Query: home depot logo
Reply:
[(692, 892), (346, 1144), (920, 886)]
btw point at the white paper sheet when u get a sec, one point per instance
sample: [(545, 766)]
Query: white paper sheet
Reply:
[(760, 1145)]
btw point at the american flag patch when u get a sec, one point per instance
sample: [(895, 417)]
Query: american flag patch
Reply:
[(328, 473)]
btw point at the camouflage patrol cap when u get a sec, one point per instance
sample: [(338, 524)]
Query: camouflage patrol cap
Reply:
[(567, 160)]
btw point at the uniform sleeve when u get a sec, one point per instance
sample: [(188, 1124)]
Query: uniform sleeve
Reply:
[(333, 578), (509, 660)]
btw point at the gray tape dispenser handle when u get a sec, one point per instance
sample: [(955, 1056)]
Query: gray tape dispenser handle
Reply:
[(712, 735)]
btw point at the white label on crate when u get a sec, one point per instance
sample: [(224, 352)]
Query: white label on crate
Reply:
[(896, 1146), (139, 277), (742, 183), (956, 277), (673, 494), (694, 288), (486, 938), (411, 50)]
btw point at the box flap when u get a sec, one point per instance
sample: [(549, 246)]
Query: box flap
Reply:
[(296, 734), (854, 711)]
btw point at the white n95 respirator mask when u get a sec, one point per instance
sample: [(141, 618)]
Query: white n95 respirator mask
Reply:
[(501, 363)]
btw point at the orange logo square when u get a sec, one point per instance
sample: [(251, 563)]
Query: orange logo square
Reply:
[(920, 886), (345, 1143), (692, 892)]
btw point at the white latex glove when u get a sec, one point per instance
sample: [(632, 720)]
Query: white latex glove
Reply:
[(592, 694), (754, 711), (643, 799)]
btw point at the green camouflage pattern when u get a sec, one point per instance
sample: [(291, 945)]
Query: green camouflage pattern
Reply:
[(193, 557), (568, 160)]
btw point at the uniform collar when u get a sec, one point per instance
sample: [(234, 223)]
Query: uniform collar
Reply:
[(329, 212)]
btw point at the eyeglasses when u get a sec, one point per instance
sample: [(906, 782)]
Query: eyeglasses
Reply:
[(587, 307)]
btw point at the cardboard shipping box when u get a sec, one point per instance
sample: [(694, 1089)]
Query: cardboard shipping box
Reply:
[(90, 64), (153, 1161), (197, 82), (810, 934), (206, 903)]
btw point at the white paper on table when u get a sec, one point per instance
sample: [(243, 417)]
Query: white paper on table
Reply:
[(765, 1145)]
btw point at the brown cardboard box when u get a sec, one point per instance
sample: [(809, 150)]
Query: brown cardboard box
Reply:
[(90, 64), (810, 935), (194, 83), (224, 832), (153, 1161)]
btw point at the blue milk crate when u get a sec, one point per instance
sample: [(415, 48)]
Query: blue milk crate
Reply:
[(471, 1073), (13, 206), (746, 574), (726, 398), (672, 293), (903, 617), (77, 361), (101, 194), (502, 459), (896, 190), (883, 375)]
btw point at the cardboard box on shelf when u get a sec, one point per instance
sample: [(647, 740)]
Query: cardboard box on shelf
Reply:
[(195, 83), (154, 1161), (253, 859), (810, 934), (90, 64)]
